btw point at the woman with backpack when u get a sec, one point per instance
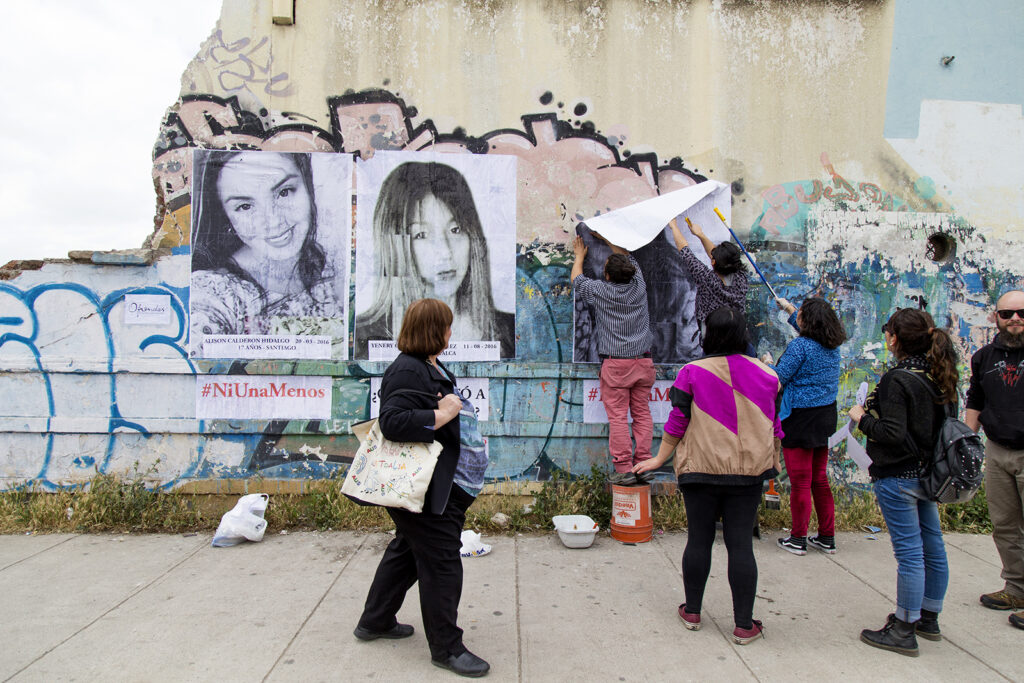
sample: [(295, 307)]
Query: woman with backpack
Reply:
[(902, 418)]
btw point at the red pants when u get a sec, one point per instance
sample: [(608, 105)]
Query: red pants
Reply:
[(626, 389), (808, 479)]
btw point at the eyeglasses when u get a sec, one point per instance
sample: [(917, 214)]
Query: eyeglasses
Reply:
[(1008, 313)]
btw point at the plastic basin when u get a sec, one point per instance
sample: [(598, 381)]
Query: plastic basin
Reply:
[(575, 531)]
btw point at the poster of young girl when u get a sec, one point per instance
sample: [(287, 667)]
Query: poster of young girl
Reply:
[(442, 226)]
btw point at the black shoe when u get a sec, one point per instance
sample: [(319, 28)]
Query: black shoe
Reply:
[(928, 626), (825, 544), (895, 636), (622, 479), (793, 544), (396, 631), (467, 664), (645, 477)]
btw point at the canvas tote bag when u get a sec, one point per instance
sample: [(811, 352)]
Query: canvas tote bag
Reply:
[(390, 473)]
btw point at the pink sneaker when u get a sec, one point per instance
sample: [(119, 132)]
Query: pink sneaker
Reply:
[(742, 636), (690, 621)]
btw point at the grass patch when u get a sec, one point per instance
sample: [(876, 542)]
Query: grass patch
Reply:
[(106, 503), (112, 503)]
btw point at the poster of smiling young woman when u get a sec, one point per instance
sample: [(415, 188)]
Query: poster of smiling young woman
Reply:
[(441, 226), (270, 252)]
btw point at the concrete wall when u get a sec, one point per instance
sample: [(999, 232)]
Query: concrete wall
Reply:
[(604, 104)]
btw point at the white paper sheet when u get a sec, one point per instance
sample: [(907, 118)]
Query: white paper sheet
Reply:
[(845, 433), (147, 309), (475, 390), (633, 226), (263, 397)]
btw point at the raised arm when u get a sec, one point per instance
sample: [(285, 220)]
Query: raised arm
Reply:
[(581, 252), (677, 235), (698, 232)]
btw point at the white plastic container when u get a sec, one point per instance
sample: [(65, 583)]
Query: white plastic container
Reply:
[(575, 531)]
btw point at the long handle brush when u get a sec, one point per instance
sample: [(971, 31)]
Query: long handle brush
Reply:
[(747, 254)]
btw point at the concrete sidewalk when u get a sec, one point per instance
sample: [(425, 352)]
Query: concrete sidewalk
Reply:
[(171, 608)]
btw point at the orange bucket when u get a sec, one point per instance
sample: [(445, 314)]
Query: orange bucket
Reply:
[(631, 514)]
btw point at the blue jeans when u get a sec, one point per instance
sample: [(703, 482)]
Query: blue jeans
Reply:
[(921, 570)]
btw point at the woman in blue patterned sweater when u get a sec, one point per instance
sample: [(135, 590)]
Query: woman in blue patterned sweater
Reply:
[(809, 372)]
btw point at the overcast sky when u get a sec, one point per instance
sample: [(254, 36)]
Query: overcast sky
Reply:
[(85, 86)]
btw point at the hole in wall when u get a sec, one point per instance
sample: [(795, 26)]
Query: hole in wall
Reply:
[(941, 247)]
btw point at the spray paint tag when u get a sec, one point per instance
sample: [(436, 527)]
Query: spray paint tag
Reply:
[(626, 508)]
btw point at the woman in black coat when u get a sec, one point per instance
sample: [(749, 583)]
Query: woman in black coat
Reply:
[(427, 544)]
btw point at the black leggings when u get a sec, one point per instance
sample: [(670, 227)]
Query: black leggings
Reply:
[(737, 506)]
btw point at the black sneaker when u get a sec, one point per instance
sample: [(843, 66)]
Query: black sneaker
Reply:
[(622, 479), (792, 544), (825, 545), (645, 477)]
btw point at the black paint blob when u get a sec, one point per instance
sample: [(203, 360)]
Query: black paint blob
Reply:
[(546, 98), (737, 187), (561, 104), (580, 109)]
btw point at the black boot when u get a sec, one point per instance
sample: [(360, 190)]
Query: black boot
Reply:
[(897, 636), (928, 627)]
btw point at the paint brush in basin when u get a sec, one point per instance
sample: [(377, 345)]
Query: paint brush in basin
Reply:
[(746, 253)]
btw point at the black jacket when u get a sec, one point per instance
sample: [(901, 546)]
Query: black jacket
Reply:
[(410, 417), (901, 404), (998, 393)]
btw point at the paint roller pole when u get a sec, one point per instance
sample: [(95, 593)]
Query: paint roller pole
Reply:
[(747, 254)]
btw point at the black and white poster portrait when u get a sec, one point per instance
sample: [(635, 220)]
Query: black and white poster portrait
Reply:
[(271, 233), (442, 226), (671, 292)]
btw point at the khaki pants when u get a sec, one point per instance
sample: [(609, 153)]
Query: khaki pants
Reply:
[(1004, 487)]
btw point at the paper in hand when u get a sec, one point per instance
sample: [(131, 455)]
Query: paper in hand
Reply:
[(853, 447)]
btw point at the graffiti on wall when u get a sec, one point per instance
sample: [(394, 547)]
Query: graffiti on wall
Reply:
[(852, 241)]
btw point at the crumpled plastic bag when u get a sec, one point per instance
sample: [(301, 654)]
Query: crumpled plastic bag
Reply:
[(471, 545), (244, 522)]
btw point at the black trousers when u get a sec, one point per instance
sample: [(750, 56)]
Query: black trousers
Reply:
[(425, 549), (737, 507)]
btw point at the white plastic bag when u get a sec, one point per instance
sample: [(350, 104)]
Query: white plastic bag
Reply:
[(244, 522), (471, 545)]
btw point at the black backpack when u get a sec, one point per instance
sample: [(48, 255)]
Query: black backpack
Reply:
[(953, 473)]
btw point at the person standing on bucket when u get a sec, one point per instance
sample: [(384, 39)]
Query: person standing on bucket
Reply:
[(725, 422), (995, 401), (622, 325)]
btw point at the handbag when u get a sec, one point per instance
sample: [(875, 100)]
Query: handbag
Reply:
[(390, 473)]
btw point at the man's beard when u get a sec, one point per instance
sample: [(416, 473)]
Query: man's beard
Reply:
[(1014, 340)]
